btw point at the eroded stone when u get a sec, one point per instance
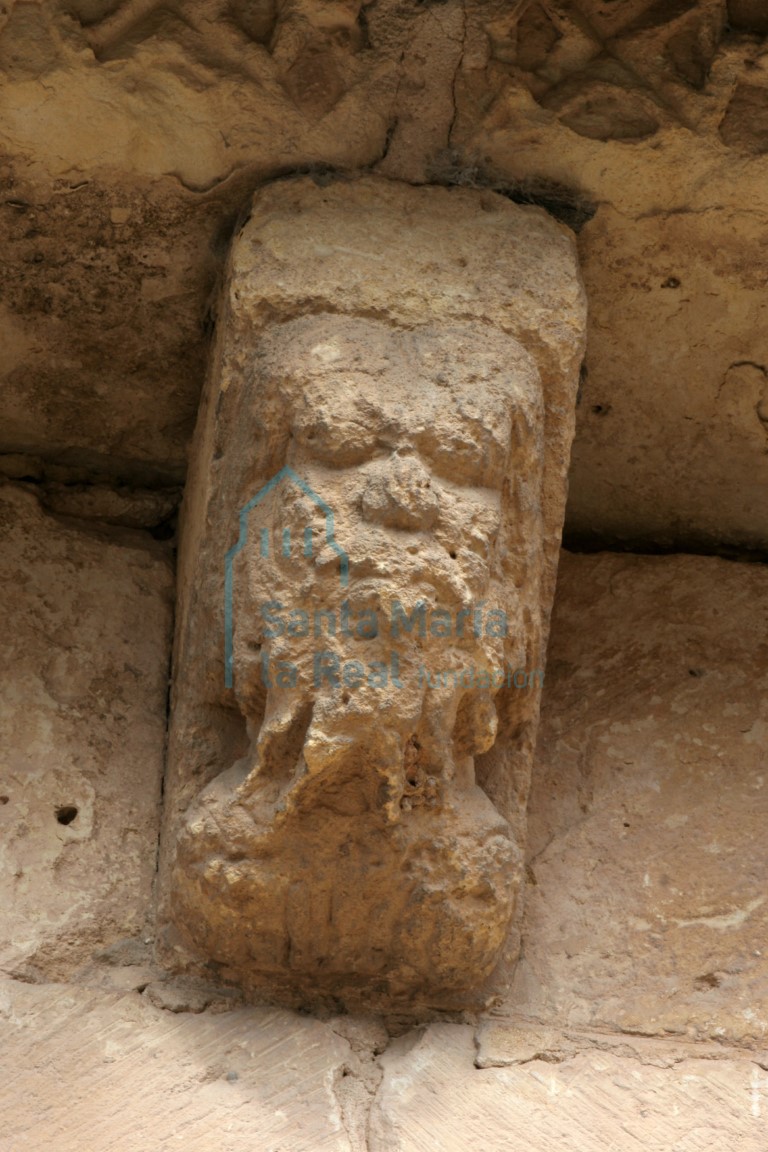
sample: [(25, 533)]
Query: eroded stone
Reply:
[(432, 1096), (351, 824), (646, 904), (131, 1076), (85, 651)]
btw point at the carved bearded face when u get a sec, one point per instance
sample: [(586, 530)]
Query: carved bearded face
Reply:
[(370, 531), (410, 438), (351, 847)]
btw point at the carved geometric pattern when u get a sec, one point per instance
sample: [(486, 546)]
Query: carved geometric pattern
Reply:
[(614, 71), (222, 34)]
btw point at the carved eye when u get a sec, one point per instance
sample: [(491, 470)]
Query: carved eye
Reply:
[(468, 449), (340, 430), (341, 446)]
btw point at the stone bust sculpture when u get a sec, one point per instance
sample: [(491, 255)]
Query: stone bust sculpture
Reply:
[(365, 550), (367, 702)]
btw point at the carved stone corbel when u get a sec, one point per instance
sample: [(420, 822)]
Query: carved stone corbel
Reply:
[(370, 539)]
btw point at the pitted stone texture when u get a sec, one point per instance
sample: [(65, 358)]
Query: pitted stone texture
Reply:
[(112, 1073), (646, 906), (701, 383), (119, 193), (646, 124), (434, 1099), (352, 832), (330, 838), (85, 651)]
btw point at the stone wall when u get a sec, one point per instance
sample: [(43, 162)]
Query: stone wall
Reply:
[(149, 149), (134, 135), (637, 1010), (85, 647)]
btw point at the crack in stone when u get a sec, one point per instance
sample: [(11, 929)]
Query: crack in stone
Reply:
[(456, 74), (357, 1081)]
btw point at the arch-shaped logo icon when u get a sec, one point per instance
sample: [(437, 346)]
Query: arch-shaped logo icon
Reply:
[(283, 474)]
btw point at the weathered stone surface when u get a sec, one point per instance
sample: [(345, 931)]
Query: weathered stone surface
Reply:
[(433, 1099), (135, 133), (350, 844), (118, 195), (653, 115), (646, 903), (325, 833), (85, 647), (673, 435), (125, 507), (112, 1073), (502, 1043), (132, 135), (103, 343)]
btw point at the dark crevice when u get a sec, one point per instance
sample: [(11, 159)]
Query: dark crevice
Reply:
[(581, 542), (365, 31), (165, 530), (391, 129), (569, 205), (167, 734)]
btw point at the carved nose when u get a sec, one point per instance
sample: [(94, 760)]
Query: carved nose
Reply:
[(401, 495)]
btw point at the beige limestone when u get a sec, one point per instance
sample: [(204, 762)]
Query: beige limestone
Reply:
[(434, 1099), (86, 630), (333, 833), (651, 116), (120, 192), (112, 1073), (133, 135), (123, 1072), (654, 420), (646, 900)]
